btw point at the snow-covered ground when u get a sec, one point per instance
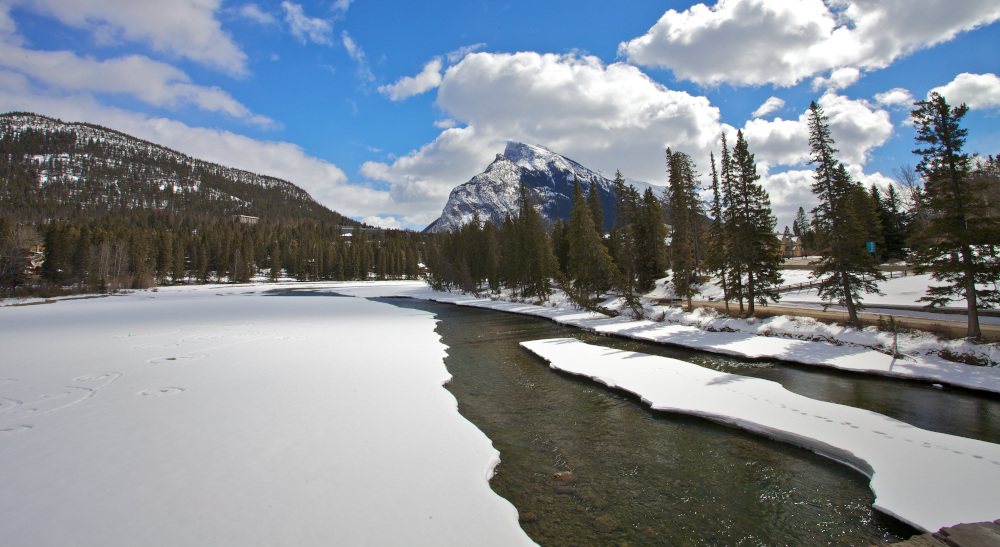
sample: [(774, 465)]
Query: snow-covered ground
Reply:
[(927, 479), (225, 414), (898, 291), (217, 415)]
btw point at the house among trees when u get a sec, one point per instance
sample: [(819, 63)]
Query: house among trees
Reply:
[(791, 246), (245, 219)]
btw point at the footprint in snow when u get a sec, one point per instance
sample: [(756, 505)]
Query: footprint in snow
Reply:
[(160, 391), (178, 359), (14, 430)]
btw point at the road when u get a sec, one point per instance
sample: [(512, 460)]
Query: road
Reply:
[(946, 328)]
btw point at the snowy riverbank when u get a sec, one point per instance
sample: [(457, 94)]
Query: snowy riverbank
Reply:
[(221, 415), (799, 340)]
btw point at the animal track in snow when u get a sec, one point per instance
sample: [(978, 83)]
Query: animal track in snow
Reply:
[(156, 346), (8, 405), (49, 400), (161, 391), (4, 431), (179, 359)]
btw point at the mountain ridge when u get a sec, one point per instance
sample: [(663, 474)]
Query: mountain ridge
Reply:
[(62, 169)]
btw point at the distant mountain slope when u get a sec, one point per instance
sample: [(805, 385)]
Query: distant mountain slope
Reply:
[(547, 176), (50, 169)]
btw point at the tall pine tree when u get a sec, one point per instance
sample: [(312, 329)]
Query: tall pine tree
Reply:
[(589, 265), (683, 191), (959, 243), (716, 259), (756, 248), (844, 222)]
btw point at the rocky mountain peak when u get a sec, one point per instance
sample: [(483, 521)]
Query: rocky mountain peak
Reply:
[(547, 176)]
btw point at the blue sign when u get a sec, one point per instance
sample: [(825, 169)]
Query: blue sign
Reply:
[(871, 246)]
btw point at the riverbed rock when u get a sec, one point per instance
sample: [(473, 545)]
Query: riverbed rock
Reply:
[(563, 476)]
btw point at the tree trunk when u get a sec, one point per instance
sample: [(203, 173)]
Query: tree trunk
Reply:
[(852, 312), (725, 292), (973, 332)]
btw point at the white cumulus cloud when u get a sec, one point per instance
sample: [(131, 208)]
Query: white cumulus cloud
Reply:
[(754, 42), (839, 79), (408, 86), (605, 116), (855, 125), (897, 97), (977, 91), (772, 104)]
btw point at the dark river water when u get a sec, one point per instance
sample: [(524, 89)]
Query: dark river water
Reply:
[(585, 465)]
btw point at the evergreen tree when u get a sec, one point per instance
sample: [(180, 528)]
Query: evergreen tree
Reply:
[(561, 244), (727, 178), (959, 244), (538, 262), (682, 190), (596, 211), (511, 264), (895, 227), (589, 265), (716, 260), (623, 240), (491, 249), (844, 221), (882, 221), (650, 241), (59, 239), (756, 249)]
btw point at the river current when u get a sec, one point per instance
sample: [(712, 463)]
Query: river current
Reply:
[(585, 465)]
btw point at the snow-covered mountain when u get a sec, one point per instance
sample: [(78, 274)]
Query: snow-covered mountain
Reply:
[(547, 176)]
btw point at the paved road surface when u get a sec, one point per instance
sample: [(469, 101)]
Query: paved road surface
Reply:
[(950, 329)]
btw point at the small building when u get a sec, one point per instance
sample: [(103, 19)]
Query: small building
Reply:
[(791, 246), (245, 219)]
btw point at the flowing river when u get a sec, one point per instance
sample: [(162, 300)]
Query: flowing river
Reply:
[(585, 465)]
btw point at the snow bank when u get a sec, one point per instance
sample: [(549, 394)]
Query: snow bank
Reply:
[(927, 479), (226, 416), (747, 338)]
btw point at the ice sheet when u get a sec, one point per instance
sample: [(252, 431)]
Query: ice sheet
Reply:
[(226, 416)]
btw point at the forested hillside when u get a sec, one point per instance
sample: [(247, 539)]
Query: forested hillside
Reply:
[(101, 211), (51, 170)]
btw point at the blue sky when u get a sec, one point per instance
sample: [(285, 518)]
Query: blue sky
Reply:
[(379, 109)]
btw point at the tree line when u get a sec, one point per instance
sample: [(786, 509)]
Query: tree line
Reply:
[(144, 249), (948, 223)]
